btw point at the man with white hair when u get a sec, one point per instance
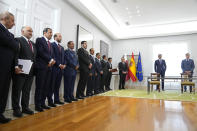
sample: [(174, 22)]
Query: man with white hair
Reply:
[(8, 49), (22, 82)]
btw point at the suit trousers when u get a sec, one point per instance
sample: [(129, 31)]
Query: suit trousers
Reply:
[(5, 79), (109, 75), (90, 85), (43, 78), (122, 81), (97, 83), (54, 85), (103, 81), (21, 84), (162, 81), (82, 83), (69, 84)]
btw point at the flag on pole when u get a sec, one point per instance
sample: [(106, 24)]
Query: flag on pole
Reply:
[(132, 69), (139, 69)]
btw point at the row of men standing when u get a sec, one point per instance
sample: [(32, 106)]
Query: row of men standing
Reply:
[(94, 72), (50, 62)]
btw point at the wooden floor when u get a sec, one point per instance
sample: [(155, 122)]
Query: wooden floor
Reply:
[(102, 113)]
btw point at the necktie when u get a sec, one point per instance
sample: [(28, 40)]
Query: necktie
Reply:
[(30, 44), (59, 47), (49, 46)]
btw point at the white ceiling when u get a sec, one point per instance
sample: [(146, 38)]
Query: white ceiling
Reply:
[(123, 19)]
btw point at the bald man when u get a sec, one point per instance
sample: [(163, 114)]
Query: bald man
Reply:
[(22, 82), (57, 71), (8, 48)]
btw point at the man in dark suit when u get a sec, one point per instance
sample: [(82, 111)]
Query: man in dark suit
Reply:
[(123, 69), (70, 72), (160, 67), (91, 77), (188, 66), (57, 71), (8, 49), (98, 73), (44, 62), (109, 73), (104, 75), (22, 82), (85, 65)]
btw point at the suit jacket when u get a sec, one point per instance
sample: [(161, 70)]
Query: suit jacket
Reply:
[(92, 59), (44, 55), (84, 60), (72, 61), (8, 49), (58, 54), (160, 67), (187, 65), (122, 67), (104, 67), (98, 67), (26, 52)]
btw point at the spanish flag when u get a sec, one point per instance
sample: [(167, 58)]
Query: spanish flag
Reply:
[(132, 69)]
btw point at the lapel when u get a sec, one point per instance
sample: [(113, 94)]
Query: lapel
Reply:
[(6, 30), (27, 44), (46, 45)]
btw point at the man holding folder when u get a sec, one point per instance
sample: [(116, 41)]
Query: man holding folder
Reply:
[(22, 82)]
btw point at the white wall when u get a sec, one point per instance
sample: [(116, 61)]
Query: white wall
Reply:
[(144, 45)]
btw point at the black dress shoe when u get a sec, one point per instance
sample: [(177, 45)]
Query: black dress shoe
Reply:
[(59, 102), (45, 107), (88, 95), (52, 105), (28, 111), (74, 99), (3, 119), (39, 109), (17, 113), (68, 101), (79, 97)]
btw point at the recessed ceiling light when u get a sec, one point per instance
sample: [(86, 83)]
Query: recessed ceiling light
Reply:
[(127, 8), (115, 1), (138, 11), (127, 23)]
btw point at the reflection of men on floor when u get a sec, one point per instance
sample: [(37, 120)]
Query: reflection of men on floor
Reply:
[(160, 67), (188, 66), (91, 77), (109, 73), (98, 73), (123, 68), (104, 75)]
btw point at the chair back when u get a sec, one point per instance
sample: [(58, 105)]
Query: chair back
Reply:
[(184, 77), (155, 77)]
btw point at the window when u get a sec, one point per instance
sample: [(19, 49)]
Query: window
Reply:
[(173, 53)]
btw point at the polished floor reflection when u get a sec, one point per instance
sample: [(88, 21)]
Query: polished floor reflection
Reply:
[(103, 113)]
